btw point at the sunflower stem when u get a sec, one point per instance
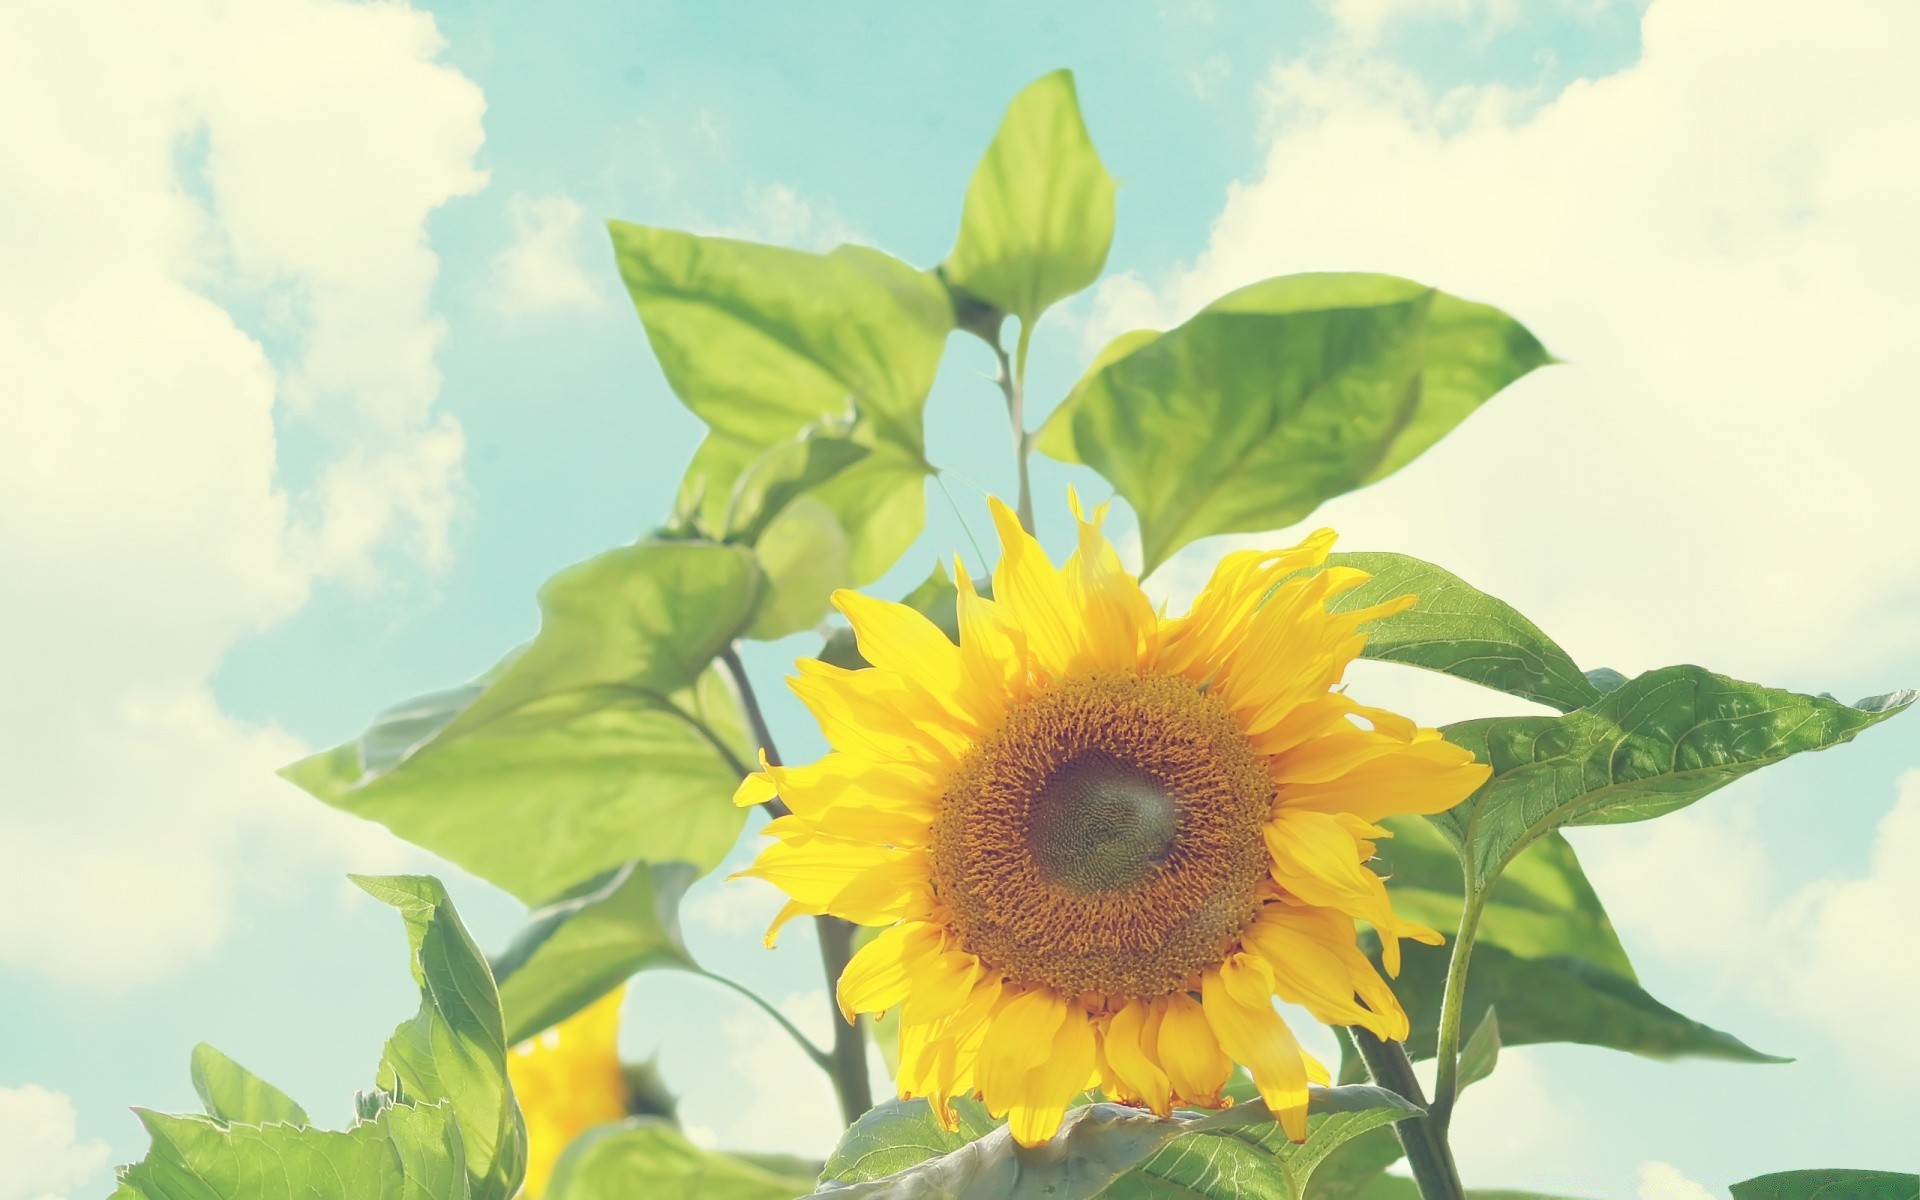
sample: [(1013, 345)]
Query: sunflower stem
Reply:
[(847, 1064), (1012, 383), (1446, 1080), (1424, 1142)]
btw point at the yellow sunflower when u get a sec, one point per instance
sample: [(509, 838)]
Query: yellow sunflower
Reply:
[(1103, 841), (568, 1079)]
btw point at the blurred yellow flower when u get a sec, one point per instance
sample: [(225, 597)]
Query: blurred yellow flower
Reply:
[(1104, 841), (568, 1080)]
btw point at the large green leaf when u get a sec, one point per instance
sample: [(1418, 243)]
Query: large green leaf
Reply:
[(646, 1157), (1655, 744), (405, 1153), (573, 952), (762, 342), (1038, 217), (1830, 1184), (455, 1048), (1281, 395), (898, 1151), (604, 740), (234, 1095), (1459, 630)]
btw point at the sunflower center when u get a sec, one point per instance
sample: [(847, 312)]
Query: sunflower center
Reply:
[(1100, 825), (1107, 839)]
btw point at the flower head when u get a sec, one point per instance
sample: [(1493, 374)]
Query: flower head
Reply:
[(1101, 841), (568, 1079)]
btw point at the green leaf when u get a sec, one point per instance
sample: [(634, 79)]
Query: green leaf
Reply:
[(1557, 1000), (806, 557), (406, 1153), (234, 1095), (646, 1157), (1655, 744), (573, 952), (1038, 217), (898, 1151), (1281, 395), (1400, 1187), (762, 342), (786, 472), (455, 1048), (1830, 1184), (1482, 1051), (604, 740), (1458, 630)]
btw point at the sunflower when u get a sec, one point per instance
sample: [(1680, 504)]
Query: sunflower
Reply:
[(1102, 841), (568, 1079)]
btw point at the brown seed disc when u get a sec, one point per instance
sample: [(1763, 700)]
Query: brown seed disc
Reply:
[(1107, 838)]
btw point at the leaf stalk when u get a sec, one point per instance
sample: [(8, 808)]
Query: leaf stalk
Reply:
[(1446, 1080)]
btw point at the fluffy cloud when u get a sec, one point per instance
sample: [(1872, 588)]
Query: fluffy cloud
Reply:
[(41, 1156), (212, 233), (541, 271), (1660, 1181), (1717, 241)]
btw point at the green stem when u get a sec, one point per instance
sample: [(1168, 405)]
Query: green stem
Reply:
[(1012, 383), (1446, 1080), (1424, 1142), (819, 1056), (847, 1065)]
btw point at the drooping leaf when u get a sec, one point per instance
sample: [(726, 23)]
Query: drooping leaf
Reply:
[(1653, 745), (785, 472), (406, 1153), (1281, 395), (1482, 1052), (1830, 1184), (1458, 630), (575, 951), (1038, 218), (604, 740), (1557, 1000), (455, 1048), (647, 1157), (899, 1151), (234, 1095), (762, 342), (805, 557)]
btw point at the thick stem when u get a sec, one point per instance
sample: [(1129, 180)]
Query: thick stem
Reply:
[(848, 1062), (1013, 387), (1425, 1144), (1446, 1079)]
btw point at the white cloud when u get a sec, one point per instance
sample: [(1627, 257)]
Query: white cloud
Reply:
[(212, 218), (41, 1154), (1660, 1181), (1719, 243), (732, 906), (1504, 1116), (542, 271), (777, 213), (790, 1107), (1366, 20)]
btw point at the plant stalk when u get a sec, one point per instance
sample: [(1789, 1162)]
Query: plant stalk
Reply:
[(847, 1065), (1012, 383), (1424, 1142), (1446, 1080)]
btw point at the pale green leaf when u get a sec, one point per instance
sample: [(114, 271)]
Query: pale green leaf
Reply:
[(1830, 1184), (573, 952), (1653, 745), (606, 739), (1038, 217), (805, 557), (1482, 1052), (232, 1094), (785, 472), (646, 1157), (1281, 395)]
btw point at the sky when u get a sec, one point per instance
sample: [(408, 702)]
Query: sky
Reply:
[(313, 364)]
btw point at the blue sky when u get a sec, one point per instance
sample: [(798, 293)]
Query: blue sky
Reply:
[(353, 375)]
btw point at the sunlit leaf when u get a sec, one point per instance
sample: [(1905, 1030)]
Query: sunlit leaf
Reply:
[(234, 1095), (1458, 630), (762, 342), (604, 740), (1039, 213), (455, 1048), (575, 951), (1281, 395), (805, 557), (1655, 744), (646, 1157), (1482, 1051), (406, 1153), (1830, 1184)]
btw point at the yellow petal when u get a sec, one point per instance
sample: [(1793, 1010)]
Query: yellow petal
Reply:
[(1127, 1054), (1118, 627), (894, 637), (1317, 964), (894, 890), (1035, 595), (1060, 1076), (880, 974), (1019, 1036), (1425, 775), (878, 715), (1190, 1053), (756, 788), (1317, 858), (1238, 1000)]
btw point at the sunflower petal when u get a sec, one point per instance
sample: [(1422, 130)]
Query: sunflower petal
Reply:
[(1126, 1052), (1190, 1053), (1019, 1036), (1035, 594), (1238, 999), (1050, 1085)]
